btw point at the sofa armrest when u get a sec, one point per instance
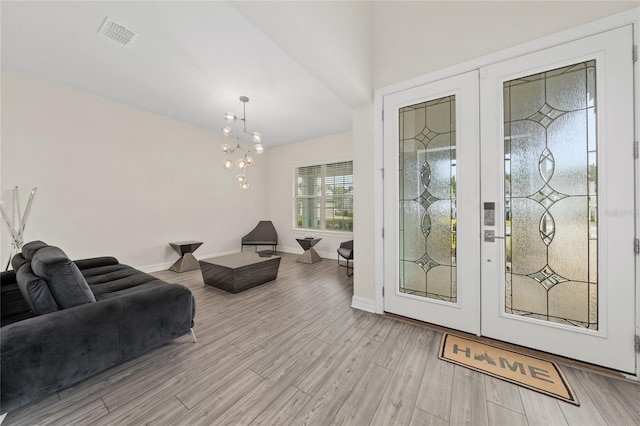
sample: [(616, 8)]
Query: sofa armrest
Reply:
[(44, 354)]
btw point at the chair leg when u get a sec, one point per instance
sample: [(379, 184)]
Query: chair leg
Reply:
[(193, 335), (347, 265)]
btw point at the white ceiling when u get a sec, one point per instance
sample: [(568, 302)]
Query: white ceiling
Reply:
[(190, 61), (303, 64)]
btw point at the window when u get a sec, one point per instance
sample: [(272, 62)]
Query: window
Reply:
[(324, 196)]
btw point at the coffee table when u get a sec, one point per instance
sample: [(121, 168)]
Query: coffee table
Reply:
[(238, 272)]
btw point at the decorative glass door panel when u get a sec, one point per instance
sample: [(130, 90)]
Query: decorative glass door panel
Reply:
[(550, 199), (427, 188), (432, 188), (557, 134)]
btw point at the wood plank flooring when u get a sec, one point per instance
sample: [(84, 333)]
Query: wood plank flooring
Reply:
[(294, 352)]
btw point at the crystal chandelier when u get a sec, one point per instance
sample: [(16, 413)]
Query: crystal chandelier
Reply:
[(244, 161)]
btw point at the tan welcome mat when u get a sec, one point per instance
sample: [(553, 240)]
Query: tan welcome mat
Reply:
[(523, 370)]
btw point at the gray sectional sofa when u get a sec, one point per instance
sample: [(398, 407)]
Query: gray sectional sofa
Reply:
[(64, 321)]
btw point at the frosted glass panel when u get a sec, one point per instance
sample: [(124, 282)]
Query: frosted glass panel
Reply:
[(413, 164), (439, 163), (527, 251), (530, 94), (551, 196), (411, 231), (567, 139), (439, 238), (427, 183), (527, 143)]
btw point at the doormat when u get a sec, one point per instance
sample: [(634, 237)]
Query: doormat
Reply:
[(523, 370)]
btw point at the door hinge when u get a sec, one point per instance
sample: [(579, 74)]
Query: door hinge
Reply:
[(382, 172), (382, 232), (635, 149), (634, 53), (636, 246), (637, 342), (382, 115), (383, 296)]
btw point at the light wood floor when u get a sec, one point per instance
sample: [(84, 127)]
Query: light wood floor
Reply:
[(294, 352)]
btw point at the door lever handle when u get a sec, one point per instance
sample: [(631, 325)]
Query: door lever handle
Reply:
[(490, 236)]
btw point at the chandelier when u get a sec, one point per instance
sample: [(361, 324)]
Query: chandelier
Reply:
[(244, 161)]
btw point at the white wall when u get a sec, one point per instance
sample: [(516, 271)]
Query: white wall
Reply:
[(116, 180), (332, 39), (281, 163), (412, 38), (367, 208)]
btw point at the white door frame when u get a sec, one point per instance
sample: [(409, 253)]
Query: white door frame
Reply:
[(621, 19), (464, 313)]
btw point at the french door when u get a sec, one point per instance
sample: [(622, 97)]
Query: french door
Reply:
[(522, 231), (435, 202)]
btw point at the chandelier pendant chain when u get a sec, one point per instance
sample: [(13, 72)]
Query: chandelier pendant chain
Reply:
[(245, 161), (244, 101)]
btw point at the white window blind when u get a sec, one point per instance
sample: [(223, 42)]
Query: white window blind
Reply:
[(324, 196)]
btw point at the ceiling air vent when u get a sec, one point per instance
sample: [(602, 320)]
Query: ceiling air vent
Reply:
[(116, 32)]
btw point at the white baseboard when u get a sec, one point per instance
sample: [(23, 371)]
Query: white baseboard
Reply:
[(292, 250), (166, 265), (363, 304), (298, 250), (155, 267)]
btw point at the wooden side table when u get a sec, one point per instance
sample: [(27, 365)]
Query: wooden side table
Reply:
[(187, 261), (309, 255)]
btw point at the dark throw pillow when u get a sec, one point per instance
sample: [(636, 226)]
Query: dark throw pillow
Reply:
[(68, 286), (35, 291)]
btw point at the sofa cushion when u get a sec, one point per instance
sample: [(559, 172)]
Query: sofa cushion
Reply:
[(68, 286), (14, 306), (35, 291), (95, 262), (29, 249), (122, 283)]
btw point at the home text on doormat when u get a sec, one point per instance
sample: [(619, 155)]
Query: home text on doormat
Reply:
[(523, 370)]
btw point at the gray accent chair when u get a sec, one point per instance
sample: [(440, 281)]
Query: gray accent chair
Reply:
[(264, 234), (346, 251)]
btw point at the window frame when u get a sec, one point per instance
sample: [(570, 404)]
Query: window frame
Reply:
[(322, 199)]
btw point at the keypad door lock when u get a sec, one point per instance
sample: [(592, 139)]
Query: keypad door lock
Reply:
[(489, 214)]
